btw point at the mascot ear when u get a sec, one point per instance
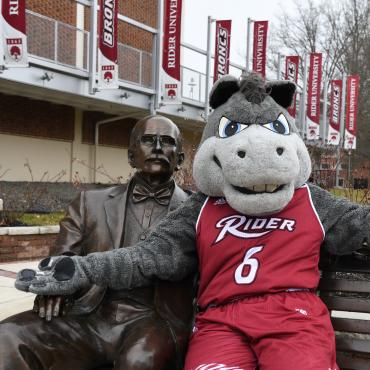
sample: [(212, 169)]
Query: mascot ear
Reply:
[(282, 92), (222, 90)]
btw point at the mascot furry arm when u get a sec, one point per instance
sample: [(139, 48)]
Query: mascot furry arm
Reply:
[(251, 160)]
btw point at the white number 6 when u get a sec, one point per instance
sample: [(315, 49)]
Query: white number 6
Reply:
[(248, 261)]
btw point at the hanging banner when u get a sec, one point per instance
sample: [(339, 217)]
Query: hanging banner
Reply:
[(107, 51), (353, 83), (291, 74), (335, 112), (13, 29), (313, 97), (259, 47), (171, 51), (222, 49)]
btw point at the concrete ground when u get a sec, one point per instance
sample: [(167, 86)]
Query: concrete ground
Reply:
[(13, 301)]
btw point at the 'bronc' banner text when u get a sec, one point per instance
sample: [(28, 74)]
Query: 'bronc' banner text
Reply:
[(13, 33), (107, 53), (259, 47), (335, 112), (222, 49), (313, 97), (171, 51), (353, 83), (291, 74)]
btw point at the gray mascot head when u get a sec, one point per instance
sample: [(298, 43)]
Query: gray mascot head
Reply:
[(251, 152)]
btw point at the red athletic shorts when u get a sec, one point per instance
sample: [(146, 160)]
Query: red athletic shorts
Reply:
[(281, 331)]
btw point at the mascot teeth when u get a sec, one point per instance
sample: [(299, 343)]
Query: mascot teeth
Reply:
[(268, 188)]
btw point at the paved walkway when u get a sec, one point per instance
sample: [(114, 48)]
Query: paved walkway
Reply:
[(12, 300)]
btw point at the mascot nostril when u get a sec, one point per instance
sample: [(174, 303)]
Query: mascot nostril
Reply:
[(280, 151), (241, 153)]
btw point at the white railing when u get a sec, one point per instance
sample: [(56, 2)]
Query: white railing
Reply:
[(67, 45)]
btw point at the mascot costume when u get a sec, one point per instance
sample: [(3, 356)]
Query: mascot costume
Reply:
[(254, 231)]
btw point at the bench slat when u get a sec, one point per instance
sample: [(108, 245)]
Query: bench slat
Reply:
[(351, 361), (329, 284), (350, 344), (351, 325), (354, 304)]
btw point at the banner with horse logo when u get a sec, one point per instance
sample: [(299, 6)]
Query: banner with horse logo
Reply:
[(171, 78), (107, 51), (13, 27), (353, 83), (313, 97)]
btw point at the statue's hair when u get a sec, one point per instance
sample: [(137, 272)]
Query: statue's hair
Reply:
[(139, 124), (253, 87)]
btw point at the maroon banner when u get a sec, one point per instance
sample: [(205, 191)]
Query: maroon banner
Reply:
[(313, 96), (13, 33), (259, 47), (222, 49), (335, 112), (353, 83), (171, 50), (291, 74), (107, 57)]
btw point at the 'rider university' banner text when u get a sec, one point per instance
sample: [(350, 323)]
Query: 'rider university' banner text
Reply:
[(291, 74), (313, 97), (13, 33), (222, 49), (259, 47), (107, 52), (171, 51), (353, 83), (335, 112)]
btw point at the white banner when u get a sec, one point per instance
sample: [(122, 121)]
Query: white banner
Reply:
[(13, 33)]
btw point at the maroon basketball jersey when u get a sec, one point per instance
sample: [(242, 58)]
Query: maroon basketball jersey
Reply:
[(243, 256)]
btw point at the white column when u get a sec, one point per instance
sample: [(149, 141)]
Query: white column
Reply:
[(80, 22)]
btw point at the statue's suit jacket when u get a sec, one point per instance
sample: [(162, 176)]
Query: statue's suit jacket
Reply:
[(95, 223)]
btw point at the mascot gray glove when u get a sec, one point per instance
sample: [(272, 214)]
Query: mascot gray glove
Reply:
[(60, 275)]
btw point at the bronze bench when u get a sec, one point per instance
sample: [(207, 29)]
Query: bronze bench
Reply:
[(345, 286)]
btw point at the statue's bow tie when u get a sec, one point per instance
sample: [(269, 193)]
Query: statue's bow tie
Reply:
[(141, 193)]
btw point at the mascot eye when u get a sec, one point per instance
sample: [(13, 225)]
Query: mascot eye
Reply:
[(227, 128), (280, 125)]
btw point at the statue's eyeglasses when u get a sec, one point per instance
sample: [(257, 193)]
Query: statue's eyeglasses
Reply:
[(150, 140)]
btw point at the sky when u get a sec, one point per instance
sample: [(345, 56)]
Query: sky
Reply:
[(196, 12), (194, 27)]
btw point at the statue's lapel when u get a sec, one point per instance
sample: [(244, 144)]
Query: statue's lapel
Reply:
[(115, 208), (178, 197)]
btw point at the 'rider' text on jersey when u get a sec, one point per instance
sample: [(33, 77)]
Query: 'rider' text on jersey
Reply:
[(243, 256)]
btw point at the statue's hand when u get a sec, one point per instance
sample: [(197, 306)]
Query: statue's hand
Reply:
[(48, 307), (60, 275)]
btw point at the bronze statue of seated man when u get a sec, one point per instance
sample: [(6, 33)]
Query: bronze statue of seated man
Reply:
[(145, 328)]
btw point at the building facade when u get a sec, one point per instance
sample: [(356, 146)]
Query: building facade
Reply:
[(52, 126)]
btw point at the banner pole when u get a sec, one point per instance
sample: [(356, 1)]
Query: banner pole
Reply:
[(208, 66), (341, 127), (302, 103), (158, 54), (250, 21), (93, 46), (279, 67), (324, 113)]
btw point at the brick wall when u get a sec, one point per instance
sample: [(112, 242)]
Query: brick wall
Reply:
[(36, 118), (61, 10), (25, 247)]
